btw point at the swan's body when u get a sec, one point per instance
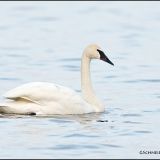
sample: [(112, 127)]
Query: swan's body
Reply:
[(48, 98), (45, 98)]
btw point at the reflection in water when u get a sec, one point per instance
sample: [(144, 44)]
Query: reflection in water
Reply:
[(82, 119)]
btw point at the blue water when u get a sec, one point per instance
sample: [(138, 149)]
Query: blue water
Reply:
[(43, 41)]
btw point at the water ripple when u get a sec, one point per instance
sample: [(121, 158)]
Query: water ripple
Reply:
[(70, 59), (80, 135), (143, 80), (71, 67), (142, 132), (131, 115), (8, 79), (25, 8), (111, 76), (73, 147), (14, 48), (60, 120), (112, 145), (132, 122), (45, 19)]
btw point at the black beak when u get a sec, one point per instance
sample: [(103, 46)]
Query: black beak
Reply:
[(103, 57)]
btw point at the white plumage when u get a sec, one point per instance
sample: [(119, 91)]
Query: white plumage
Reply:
[(44, 98)]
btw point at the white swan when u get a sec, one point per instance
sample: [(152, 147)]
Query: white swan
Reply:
[(42, 98)]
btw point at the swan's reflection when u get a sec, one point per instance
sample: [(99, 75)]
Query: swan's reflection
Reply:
[(81, 118)]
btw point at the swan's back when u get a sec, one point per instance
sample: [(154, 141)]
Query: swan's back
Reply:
[(40, 91)]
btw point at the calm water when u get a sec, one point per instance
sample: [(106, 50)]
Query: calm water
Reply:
[(43, 41)]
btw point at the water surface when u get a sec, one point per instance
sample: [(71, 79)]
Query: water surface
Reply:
[(43, 41)]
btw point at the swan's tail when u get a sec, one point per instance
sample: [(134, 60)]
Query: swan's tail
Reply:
[(7, 108), (17, 107), (3, 108)]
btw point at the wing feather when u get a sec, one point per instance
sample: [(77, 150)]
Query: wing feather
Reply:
[(40, 92)]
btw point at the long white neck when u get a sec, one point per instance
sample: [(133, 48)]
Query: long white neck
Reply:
[(87, 90)]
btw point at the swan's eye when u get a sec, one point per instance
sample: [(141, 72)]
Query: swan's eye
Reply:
[(103, 57)]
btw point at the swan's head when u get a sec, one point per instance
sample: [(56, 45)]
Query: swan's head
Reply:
[(93, 51)]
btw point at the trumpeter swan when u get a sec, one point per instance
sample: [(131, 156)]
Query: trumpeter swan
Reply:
[(42, 98)]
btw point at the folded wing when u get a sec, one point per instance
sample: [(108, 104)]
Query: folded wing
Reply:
[(40, 92)]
